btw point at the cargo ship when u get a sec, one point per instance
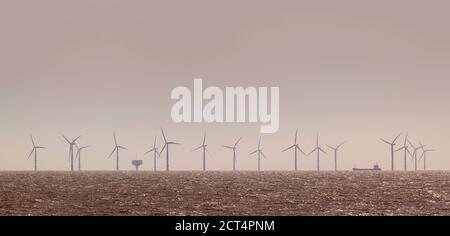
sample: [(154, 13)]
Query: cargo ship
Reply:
[(376, 167)]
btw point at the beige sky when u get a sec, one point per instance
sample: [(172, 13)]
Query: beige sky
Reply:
[(351, 70)]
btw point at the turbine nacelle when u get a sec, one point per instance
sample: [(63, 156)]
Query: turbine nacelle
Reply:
[(295, 146), (166, 143)]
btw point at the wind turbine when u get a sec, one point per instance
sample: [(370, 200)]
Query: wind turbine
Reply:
[(296, 147), (392, 144), (34, 150), (424, 156), (317, 149), (116, 150), (234, 152), (78, 155), (259, 152), (155, 153), (71, 145), (335, 149), (414, 154), (204, 149), (406, 151), (166, 146)]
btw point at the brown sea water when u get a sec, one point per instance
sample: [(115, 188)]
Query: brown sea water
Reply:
[(225, 193)]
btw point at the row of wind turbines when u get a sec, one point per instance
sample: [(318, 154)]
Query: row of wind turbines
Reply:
[(259, 152), (406, 152)]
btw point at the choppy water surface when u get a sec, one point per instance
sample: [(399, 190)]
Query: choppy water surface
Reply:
[(225, 193)]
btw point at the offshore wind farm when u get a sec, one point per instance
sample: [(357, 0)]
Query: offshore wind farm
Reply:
[(164, 191), (416, 155), (227, 108)]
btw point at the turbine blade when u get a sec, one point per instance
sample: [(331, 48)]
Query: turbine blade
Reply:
[(66, 139), (237, 142), (311, 151), (151, 150), (164, 136), (227, 147), (421, 156), (76, 139), (164, 147), (410, 154), (298, 148), (397, 137), (154, 143), (31, 153), (115, 139), (112, 152), (32, 140), (122, 147), (320, 149), (204, 138), (385, 141), (421, 145), (340, 145), (331, 147), (196, 148), (412, 145), (259, 142), (253, 152), (295, 139), (288, 148), (262, 154)]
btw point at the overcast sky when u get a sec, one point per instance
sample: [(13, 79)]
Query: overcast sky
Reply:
[(352, 70)]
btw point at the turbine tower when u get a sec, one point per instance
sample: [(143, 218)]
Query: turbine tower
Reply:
[(335, 149), (406, 152), (34, 150), (317, 149), (259, 152), (78, 155), (234, 152), (116, 149), (414, 154), (392, 144), (166, 146), (204, 149), (424, 156), (296, 148), (155, 154), (71, 145)]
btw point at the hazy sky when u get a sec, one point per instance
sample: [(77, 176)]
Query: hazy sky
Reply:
[(351, 70)]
